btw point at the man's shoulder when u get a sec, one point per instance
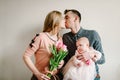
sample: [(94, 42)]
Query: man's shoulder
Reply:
[(89, 30), (68, 33)]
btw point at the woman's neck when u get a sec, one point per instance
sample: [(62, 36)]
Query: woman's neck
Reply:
[(51, 33), (52, 36)]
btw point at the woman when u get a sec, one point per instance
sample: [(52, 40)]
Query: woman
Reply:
[(39, 46)]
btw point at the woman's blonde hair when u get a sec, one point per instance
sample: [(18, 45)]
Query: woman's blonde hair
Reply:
[(52, 20)]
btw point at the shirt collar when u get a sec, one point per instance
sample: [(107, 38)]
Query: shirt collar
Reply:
[(75, 36), (79, 32)]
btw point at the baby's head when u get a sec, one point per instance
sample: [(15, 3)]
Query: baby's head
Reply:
[(82, 44)]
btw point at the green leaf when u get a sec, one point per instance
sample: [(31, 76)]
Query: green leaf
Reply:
[(56, 58)]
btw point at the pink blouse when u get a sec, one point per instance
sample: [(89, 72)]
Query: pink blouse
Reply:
[(41, 49)]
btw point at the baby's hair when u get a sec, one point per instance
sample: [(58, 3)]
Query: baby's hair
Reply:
[(85, 39)]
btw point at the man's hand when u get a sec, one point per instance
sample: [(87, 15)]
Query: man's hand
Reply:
[(61, 64)]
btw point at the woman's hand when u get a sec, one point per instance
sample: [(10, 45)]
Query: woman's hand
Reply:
[(52, 72), (55, 70), (42, 77)]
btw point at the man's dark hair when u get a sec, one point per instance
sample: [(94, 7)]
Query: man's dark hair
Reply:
[(73, 11)]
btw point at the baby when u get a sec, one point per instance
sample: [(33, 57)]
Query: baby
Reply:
[(82, 65)]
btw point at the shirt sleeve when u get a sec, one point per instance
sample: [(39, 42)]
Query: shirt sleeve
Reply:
[(98, 46), (33, 46)]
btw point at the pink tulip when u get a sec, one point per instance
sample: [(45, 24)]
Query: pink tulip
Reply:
[(59, 44), (64, 48)]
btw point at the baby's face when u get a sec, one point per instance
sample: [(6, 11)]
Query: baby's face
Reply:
[(81, 46)]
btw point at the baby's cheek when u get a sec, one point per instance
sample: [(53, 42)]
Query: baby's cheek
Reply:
[(80, 51)]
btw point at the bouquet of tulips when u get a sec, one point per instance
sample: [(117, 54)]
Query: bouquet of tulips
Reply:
[(59, 52)]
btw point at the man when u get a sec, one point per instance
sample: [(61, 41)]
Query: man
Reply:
[(72, 21)]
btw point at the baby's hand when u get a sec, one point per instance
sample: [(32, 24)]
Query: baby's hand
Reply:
[(76, 64), (92, 52), (75, 61), (80, 57)]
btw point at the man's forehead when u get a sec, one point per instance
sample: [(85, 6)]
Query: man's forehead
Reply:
[(68, 14)]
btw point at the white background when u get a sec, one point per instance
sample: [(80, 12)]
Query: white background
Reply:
[(20, 20)]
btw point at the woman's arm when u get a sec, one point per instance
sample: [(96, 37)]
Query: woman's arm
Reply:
[(31, 66), (32, 48)]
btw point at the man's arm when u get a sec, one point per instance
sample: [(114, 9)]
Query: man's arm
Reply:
[(98, 46)]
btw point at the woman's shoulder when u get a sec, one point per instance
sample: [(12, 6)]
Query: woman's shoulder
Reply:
[(41, 34)]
